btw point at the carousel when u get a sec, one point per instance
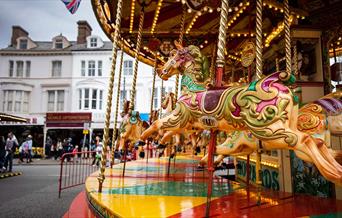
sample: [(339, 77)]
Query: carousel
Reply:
[(252, 84)]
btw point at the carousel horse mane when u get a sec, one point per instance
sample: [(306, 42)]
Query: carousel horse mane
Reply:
[(169, 98)]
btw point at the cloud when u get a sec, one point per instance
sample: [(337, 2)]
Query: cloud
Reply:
[(44, 19)]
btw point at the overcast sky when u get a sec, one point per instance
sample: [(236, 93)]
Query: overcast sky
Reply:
[(44, 19)]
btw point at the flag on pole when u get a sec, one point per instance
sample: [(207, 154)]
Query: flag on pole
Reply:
[(72, 5)]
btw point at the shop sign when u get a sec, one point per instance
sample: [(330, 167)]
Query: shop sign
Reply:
[(270, 176), (67, 119)]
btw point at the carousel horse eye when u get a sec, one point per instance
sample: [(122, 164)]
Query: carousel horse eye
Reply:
[(173, 62)]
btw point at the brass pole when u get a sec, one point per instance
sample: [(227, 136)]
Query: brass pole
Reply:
[(153, 86), (277, 64), (161, 97), (116, 109), (295, 59), (287, 39), (180, 41), (101, 176), (258, 39), (136, 62), (220, 62), (258, 74)]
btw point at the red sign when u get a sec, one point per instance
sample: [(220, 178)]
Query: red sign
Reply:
[(58, 119)]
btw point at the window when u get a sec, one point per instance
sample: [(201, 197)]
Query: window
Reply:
[(80, 99), (123, 94), (94, 99), (93, 42), (60, 100), (83, 66), (86, 98), (99, 68), (23, 44), (128, 68), (59, 44), (55, 100), (51, 101), (56, 68), (28, 69), (16, 101), (155, 98), (20, 68), (91, 99), (100, 99), (91, 68), (11, 68)]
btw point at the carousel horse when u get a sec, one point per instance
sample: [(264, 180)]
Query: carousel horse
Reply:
[(266, 108), (319, 119), (130, 129)]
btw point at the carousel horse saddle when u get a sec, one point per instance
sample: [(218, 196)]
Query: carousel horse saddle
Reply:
[(212, 99)]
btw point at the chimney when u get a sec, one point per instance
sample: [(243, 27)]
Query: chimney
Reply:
[(17, 31), (84, 30)]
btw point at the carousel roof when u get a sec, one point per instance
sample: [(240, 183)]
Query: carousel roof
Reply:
[(162, 23)]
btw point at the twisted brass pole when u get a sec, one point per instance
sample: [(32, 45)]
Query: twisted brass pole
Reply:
[(295, 59), (101, 176), (287, 39), (221, 45), (116, 108), (153, 86), (259, 39), (161, 98), (180, 41), (136, 62)]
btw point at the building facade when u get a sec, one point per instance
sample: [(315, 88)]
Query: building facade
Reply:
[(62, 76)]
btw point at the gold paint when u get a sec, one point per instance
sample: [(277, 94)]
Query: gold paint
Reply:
[(221, 44)]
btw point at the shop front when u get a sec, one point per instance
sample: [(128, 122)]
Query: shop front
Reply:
[(66, 126)]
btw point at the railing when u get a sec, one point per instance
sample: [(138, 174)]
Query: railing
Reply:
[(75, 168)]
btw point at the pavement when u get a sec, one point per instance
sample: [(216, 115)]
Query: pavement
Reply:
[(37, 161), (35, 192)]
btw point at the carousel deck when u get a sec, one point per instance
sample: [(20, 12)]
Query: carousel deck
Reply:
[(147, 191)]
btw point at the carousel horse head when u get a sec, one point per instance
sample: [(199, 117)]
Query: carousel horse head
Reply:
[(169, 102), (186, 61)]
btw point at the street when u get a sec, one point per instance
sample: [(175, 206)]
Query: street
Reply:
[(35, 192)]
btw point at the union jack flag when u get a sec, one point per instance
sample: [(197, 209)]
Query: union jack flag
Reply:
[(72, 5)]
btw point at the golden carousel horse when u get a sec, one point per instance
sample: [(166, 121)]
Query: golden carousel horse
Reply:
[(130, 129), (319, 119), (266, 108)]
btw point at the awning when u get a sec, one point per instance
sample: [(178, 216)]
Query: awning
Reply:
[(9, 117)]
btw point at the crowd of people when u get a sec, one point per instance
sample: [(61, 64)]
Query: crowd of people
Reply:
[(53, 149)]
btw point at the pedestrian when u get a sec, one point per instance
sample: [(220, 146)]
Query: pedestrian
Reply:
[(29, 153), (98, 153), (11, 144), (74, 152), (59, 148), (2, 152), (48, 144)]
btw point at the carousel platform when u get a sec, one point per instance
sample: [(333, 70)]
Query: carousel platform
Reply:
[(148, 191)]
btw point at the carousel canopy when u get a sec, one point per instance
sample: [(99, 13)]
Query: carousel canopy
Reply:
[(162, 23)]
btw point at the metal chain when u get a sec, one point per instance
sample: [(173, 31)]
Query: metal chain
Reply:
[(101, 176), (136, 62), (117, 108), (259, 39)]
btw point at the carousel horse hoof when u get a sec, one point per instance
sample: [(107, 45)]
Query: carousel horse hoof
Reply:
[(179, 148), (161, 146), (172, 155), (142, 154)]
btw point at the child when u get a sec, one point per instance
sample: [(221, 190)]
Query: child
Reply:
[(98, 153)]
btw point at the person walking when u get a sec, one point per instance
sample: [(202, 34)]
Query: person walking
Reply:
[(59, 148), (11, 144), (29, 152), (2, 152)]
